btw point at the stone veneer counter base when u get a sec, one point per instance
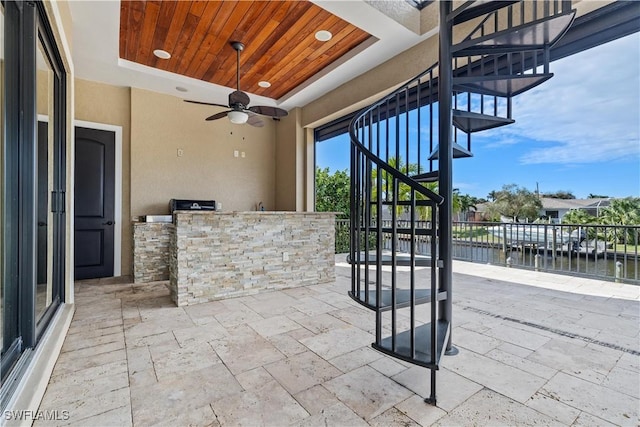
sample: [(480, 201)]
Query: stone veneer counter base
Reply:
[(216, 255), (151, 242)]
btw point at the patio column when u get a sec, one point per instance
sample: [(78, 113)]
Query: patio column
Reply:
[(292, 164)]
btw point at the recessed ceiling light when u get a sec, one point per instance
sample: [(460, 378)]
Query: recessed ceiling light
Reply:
[(162, 54), (181, 89), (323, 35), (264, 84)]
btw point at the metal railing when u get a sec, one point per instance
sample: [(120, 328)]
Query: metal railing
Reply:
[(609, 252), (342, 235), (518, 13)]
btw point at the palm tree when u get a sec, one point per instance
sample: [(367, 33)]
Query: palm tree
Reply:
[(581, 217), (404, 191), (387, 182), (623, 212), (578, 216), (467, 203)]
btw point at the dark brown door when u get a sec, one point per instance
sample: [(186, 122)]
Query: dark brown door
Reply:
[(94, 203)]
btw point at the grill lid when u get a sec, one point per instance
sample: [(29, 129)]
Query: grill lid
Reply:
[(191, 205)]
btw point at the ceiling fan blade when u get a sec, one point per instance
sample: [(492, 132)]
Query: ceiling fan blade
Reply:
[(238, 97), (268, 111), (206, 103), (218, 115), (255, 121)]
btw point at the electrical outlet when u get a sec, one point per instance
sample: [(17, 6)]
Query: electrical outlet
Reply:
[(180, 152), (236, 153), (285, 256)]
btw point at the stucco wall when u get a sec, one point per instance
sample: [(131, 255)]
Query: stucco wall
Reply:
[(207, 169), (287, 181)]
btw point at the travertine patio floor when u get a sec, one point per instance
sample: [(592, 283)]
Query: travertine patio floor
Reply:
[(535, 349)]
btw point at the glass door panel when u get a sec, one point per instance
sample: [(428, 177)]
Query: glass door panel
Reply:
[(44, 249)]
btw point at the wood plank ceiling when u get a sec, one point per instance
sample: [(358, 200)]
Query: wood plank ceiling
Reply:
[(279, 38)]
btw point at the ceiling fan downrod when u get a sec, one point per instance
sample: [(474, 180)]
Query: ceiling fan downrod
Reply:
[(239, 47)]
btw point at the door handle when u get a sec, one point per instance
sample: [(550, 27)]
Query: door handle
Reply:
[(108, 223), (42, 224)]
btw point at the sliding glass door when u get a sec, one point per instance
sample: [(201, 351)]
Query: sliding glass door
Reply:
[(32, 178), (12, 342), (49, 178), (2, 64)]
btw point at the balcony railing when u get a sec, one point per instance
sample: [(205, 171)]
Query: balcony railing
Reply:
[(608, 252)]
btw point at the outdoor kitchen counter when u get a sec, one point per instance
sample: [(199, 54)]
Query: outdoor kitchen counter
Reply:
[(151, 251), (216, 255)]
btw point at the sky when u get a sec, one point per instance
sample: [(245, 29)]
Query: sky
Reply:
[(577, 132)]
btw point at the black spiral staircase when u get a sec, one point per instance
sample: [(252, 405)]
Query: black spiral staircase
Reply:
[(401, 162)]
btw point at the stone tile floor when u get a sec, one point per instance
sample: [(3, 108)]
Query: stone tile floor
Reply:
[(535, 349)]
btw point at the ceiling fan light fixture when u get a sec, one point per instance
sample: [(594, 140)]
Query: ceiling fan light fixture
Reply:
[(264, 84), (238, 117), (162, 54), (323, 35)]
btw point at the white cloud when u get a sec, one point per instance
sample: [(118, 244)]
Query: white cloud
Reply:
[(502, 141), (588, 112), (465, 186)]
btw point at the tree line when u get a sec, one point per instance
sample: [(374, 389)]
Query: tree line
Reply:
[(512, 201)]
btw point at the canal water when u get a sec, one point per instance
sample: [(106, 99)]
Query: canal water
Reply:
[(601, 267), (584, 265)]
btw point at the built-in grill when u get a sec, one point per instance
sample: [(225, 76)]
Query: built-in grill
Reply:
[(191, 205)]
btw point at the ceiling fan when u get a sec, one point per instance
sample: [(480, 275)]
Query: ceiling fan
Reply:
[(240, 112)]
